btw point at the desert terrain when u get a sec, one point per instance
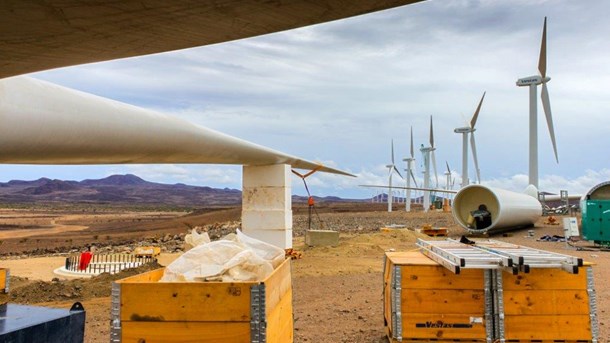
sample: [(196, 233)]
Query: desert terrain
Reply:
[(337, 290)]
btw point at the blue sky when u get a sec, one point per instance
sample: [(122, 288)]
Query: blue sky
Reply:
[(338, 92)]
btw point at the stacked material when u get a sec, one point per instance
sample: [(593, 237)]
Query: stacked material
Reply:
[(236, 257), (488, 291)]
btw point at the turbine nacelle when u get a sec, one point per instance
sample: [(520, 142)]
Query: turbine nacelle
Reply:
[(465, 129), (532, 80)]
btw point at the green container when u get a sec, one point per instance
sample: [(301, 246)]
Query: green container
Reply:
[(596, 220), (596, 214), (438, 204)]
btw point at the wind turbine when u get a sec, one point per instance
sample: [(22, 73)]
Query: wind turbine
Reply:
[(449, 183), (465, 131), (391, 168), (428, 153), (533, 82), (410, 175)]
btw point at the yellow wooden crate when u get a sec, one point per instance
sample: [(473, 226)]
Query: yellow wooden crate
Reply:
[(425, 301), (145, 310), (547, 305), (4, 285)]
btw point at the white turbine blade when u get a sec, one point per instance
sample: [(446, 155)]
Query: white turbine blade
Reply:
[(542, 59), (412, 150), (431, 133), (473, 121), (448, 169), (43, 123), (473, 146), (392, 152), (546, 104), (434, 166), (413, 177), (397, 172)]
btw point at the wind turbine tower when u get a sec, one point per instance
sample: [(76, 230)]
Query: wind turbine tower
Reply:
[(392, 168), (428, 154), (532, 82), (465, 131), (410, 175), (448, 177)]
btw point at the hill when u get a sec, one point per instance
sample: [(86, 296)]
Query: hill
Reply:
[(123, 189)]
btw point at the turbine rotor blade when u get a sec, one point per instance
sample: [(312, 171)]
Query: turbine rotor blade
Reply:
[(542, 59), (546, 105), (413, 177), (473, 121), (397, 172), (392, 152), (412, 150), (431, 133), (473, 146), (448, 169)]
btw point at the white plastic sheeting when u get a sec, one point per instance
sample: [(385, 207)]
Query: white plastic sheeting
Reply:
[(236, 257)]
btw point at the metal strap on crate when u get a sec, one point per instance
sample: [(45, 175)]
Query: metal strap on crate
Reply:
[(258, 321), (527, 257), (592, 306), (115, 314), (7, 280), (500, 333), (396, 292), (454, 255)]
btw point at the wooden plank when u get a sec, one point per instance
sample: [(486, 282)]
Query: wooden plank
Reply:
[(182, 332), (454, 301), (542, 278), (441, 326), (195, 301), (277, 284), (3, 272), (387, 298), (151, 276), (3, 298), (561, 327), (551, 302), (438, 277), (280, 321), (405, 258)]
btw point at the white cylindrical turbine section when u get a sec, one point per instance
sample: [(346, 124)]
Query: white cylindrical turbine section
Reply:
[(509, 210)]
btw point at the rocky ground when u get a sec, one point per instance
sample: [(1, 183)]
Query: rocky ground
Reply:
[(337, 290)]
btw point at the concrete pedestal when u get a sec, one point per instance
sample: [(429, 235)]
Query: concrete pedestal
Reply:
[(321, 238), (267, 204)]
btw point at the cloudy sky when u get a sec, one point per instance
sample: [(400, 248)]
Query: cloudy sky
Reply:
[(339, 92)]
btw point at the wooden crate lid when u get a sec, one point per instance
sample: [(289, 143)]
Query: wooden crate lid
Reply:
[(409, 258)]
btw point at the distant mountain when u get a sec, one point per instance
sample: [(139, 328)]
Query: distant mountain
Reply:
[(124, 189), (117, 180)]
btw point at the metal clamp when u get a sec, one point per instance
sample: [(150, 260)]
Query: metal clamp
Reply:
[(258, 322), (115, 314)]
